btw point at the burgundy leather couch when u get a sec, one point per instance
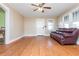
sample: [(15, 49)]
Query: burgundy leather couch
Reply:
[(65, 35)]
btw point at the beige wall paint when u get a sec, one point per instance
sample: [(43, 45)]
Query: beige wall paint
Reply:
[(16, 24), (17, 27), (30, 25)]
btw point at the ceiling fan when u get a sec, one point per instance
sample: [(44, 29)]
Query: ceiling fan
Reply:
[(40, 7)]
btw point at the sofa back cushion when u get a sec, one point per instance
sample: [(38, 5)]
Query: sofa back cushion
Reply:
[(68, 30)]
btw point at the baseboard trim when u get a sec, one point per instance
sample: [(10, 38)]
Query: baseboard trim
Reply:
[(13, 40), (30, 35), (35, 35)]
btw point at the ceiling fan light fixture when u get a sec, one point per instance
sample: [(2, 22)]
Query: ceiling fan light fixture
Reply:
[(40, 9)]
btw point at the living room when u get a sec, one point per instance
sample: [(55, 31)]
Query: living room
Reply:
[(29, 30)]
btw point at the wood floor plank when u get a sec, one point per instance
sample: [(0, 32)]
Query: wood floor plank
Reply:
[(38, 46)]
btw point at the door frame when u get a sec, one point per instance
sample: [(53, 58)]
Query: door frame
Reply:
[(7, 22), (44, 33)]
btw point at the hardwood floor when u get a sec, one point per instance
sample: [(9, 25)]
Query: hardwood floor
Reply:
[(38, 46)]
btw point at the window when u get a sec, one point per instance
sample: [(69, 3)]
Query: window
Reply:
[(66, 18), (66, 25), (75, 15), (50, 25), (76, 24), (66, 21)]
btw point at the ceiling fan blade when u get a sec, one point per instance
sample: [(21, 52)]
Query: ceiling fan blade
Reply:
[(34, 5), (47, 7), (42, 4), (35, 9)]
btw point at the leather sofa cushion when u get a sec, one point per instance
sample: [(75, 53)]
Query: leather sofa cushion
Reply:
[(68, 30), (64, 34), (67, 35)]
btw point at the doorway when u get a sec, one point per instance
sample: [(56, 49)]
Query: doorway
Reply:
[(40, 27), (2, 26), (44, 26)]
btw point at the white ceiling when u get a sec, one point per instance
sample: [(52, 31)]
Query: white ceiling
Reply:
[(57, 9)]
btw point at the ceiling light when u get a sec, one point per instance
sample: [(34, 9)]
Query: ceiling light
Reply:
[(40, 9)]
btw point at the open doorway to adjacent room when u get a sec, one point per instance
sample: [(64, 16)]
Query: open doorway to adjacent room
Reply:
[(2, 26)]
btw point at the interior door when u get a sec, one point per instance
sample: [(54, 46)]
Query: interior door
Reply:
[(40, 26)]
